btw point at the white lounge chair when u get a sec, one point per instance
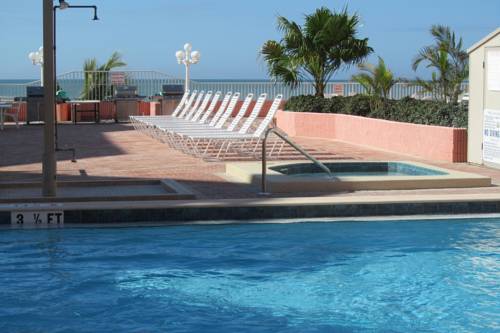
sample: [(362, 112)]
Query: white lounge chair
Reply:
[(140, 123), (202, 143), (181, 134), (178, 121), (182, 103), (193, 108), (187, 105), (146, 124), (150, 125), (201, 138), (180, 111), (201, 108), (202, 117), (170, 130), (241, 141)]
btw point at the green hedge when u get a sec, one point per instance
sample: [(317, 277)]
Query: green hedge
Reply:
[(405, 110)]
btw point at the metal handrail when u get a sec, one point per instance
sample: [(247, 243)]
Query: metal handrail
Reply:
[(295, 146)]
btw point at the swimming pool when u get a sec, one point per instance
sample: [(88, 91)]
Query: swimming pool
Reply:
[(384, 276)]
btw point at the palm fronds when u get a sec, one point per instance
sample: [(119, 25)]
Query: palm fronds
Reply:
[(377, 80), (316, 50), (96, 78), (449, 62)]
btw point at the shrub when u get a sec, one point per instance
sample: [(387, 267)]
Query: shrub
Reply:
[(308, 104), (336, 104), (405, 110), (359, 105)]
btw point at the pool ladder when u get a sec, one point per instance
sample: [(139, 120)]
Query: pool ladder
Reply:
[(279, 133)]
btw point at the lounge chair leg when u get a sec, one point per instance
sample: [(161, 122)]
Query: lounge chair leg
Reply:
[(228, 146), (256, 146), (205, 153), (220, 151), (275, 142), (281, 148)]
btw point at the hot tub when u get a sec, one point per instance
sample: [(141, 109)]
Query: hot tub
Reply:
[(297, 177), (357, 169)]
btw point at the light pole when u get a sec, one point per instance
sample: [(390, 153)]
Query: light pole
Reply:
[(49, 166), (187, 58), (36, 58)]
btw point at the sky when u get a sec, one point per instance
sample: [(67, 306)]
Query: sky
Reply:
[(228, 33)]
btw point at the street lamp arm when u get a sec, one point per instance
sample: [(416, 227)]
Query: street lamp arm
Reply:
[(79, 6)]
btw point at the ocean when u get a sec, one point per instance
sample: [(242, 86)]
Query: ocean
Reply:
[(16, 81)]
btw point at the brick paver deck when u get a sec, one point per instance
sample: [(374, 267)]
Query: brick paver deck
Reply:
[(117, 151)]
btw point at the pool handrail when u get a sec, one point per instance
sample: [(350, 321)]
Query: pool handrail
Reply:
[(279, 133)]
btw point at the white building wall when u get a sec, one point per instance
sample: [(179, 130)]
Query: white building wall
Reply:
[(479, 99)]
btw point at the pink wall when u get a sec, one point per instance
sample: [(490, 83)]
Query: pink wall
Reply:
[(107, 111), (429, 142)]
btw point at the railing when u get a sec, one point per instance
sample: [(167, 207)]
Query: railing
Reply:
[(11, 90), (342, 88), (278, 133), (99, 85)]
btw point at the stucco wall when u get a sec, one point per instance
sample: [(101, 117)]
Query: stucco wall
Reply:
[(435, 143)]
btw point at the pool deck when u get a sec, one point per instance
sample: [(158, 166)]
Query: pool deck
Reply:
[(115, 152)]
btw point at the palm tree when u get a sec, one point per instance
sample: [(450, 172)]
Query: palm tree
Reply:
[(315, 51), (96, 79), (449, 62), (377, 80)]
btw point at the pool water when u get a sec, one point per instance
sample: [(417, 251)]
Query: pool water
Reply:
[(344, 169), (409, 276)]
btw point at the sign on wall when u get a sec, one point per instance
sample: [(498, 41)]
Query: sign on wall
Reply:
[(493, 67), (37, 218), (117, 78), (338, 90), (491, 136)]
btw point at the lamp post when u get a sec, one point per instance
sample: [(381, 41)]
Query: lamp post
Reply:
[(49, 153), (187, 58), (36, 58)]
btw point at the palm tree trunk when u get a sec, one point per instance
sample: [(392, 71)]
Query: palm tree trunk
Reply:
[(320, 88), (455, 94)]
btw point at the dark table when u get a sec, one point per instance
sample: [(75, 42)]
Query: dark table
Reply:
[(96, 110)]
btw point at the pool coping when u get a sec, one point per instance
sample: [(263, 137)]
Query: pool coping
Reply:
[(262, 208), (250, 173), (170, 190)]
